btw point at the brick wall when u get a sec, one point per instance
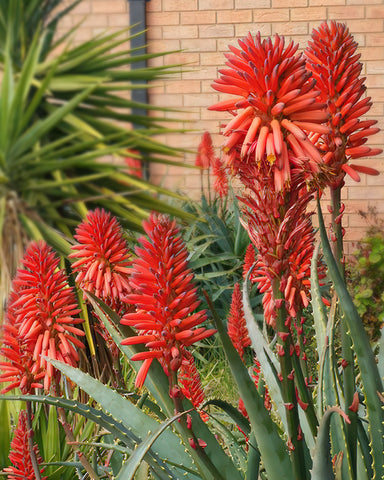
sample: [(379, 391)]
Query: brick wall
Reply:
[(204, 28)]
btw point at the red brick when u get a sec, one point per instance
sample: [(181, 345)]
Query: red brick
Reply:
[(345, 12), (327, 2), (180, 31), (212, 58), (163, 18), (234, 16), (371, 53), (271, 15), (289, 3), (206, 73), (252, 3), (181, 86), (118, 20), (154, 33), (199, 45), (200, 99), (215, 31), (82, 7), (369, 193), (153, 6), (90, 21), (216, 4), (290, 28), (242, 29), (362, 25), (197, 18), (179, 5), (109, 6), (309, 14), (374, 11), (374, 67), (375, 39)]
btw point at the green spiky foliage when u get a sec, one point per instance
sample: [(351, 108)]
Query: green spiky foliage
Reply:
[(67, 118)]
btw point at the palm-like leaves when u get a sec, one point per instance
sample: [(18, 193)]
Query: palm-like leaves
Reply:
[(65, 119)]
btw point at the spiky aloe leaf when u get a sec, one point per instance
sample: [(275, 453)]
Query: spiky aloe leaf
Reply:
[(322, 463), (127, 413), (272, 449), (157, 384), (129, 469), (232, 412), (126, 433), (370, 376)]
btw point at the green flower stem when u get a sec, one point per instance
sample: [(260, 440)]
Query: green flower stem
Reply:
[(288, 391), (188, 432), (346, 342), (32, 453)]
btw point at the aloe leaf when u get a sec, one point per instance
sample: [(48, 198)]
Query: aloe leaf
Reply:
[(266, 357), (232, 412), (366, 361), (322, 463), (129, 469), (272, 449), (116, 426)]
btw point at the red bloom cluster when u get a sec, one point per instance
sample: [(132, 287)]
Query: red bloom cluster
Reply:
[(103, 258), (221, 181), (190, 381), (165, 297), (205, 153), (135, 167), (20, 456), (237, 327), (40, 321), (332, 58), (281, 230), (278, 107)]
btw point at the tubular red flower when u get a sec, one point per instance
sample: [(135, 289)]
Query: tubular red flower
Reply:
[(189, 379), (135, 167), (237, 328), (275, 99), (332, 58), (221, 181), (22, 467), (205, 153), (103, 258), (40, 321), (280, 228), (165, 298)]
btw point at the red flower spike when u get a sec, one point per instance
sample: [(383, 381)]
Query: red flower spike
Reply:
[(249, 260), (166, 297), (103, 258), (205, 157), (221, 181), (190, 381), (237, 328), (22, 467), (135, 167), (40, 321), (331, 57), (278, 101)]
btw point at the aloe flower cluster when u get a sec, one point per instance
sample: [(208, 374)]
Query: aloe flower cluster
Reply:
[(166, 300), (41, 322), (273, 110), (22, 467), (332, 59), (103, 259)]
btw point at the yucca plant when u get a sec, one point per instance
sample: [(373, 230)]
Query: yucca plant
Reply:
[(287, 424), (67, 122)]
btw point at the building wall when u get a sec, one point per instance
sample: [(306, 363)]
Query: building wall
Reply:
[(203, 29)]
